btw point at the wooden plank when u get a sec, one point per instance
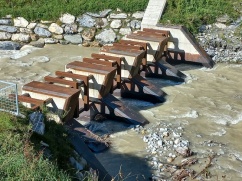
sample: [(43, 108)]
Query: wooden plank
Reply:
[(49, 89), (99, 62), (92, 68), (72, 84)]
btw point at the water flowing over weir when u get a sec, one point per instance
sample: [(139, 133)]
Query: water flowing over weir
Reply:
[(207, 106)]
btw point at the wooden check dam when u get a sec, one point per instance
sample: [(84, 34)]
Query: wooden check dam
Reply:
[(89, 87)]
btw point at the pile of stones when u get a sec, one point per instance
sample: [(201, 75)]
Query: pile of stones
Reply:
[(89, 29), (222, 40)]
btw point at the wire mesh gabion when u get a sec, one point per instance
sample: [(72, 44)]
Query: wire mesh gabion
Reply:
[(9, 97)]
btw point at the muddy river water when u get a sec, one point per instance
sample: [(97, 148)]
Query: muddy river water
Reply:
[(208, 106)]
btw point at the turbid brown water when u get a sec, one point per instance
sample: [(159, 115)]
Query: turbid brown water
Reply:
[(208, 106)]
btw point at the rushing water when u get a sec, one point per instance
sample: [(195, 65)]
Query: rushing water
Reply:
[(208, 106)]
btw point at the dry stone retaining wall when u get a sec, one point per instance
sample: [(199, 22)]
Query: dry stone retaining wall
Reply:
[(89, 29)]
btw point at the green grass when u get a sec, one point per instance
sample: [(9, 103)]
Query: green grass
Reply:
[(51, 10), (20, 156), (194, 13)]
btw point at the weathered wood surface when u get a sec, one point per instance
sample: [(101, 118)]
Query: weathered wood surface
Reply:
[(102, 80), (64, 98)]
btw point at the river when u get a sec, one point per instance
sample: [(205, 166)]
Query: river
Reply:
[(208, 106)]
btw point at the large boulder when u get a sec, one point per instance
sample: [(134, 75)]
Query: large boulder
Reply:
[(117, 23), (42, 32), (21, 37), (9, 29), (74, 39), (118, 16), (31, 26), (5, 36), (138, 15), (86, 21), (55, 28), (5, 21), (67, 18), (89, 34), (106, 36), (9, 45), (125, 31), (20, 22), (71, 28)]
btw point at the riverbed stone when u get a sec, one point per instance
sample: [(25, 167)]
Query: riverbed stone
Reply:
[(135, 24), (58, 37), (5, 21), (9, 29), (106, 36), (86, 21), (40, 43), (125, 31), (89, 34), (138, 15), (5, 36), (118, 15), (220, 25), (74, 39), (71, 28), (31, 25), (21, 37), (101, 22), (9, 45), (67, 18), (20, 22), (101, 14), (55, 28), (42, 32), (116, 24)]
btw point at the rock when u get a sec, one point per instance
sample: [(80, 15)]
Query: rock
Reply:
[(39, 43), (9, 45), (223, 19), (9, 29), (21, 37), (42, 32), (67, 18), (74, 39), (118, 16), (106, 36), (5, 36), (184, 151), (138, 15), (25, 30), (220, 25), (40, 59), (89, 34), (58, 37), (169, 160), (71, 28), (34, 37), (101, 22), (95, 44), (86, 21), (86, 44), (31, 26), (42, 25), (80, 29), (75, 164), (55, 28), (50, 41), (5, 21), (101, 14), (116, 24), (125, 31), (135, 24), (37, 121), (19, 54), (20, 22)]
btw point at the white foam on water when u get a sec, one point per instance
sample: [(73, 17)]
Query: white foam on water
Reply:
[(226, 119), (219, 133), (191, 114)]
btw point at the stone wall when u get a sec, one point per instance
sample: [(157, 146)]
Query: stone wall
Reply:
[(89, 29)]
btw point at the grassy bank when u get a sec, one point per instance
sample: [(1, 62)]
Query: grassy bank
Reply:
[(51, 10), (20, 155), (193, 13)]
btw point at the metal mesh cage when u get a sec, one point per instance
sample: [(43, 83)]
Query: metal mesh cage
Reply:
[(9, 97)]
